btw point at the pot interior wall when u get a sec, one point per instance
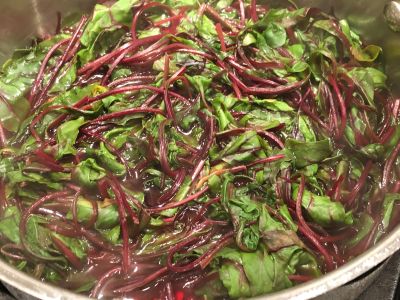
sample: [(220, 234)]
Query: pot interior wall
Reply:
[(20, 20)]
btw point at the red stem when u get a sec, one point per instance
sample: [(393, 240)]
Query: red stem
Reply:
[(180, 203), (37, 101), (103, 280), (118, 195), (220, 33), (137, 284), (360, 184), (69, 255), (266, 160), (253, 11), (39, 76), (342, 105)]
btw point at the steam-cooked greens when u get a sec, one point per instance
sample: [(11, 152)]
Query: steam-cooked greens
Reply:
[(195, 150)]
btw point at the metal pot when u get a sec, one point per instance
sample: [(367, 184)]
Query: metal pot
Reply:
[(23, 19)]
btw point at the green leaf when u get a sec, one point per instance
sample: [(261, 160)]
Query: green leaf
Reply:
[(221, 104), (78, 246), (274, 233), (297, 50), (242, 277), (65, 81), (239, 158), (185, 3), (242, 210), (275, 35), (305, 127), (368, 79), (388, 206), (78, 93), (284, 212), (249, 39), (237, 143), (180, 195), (391, 144), (107, 18), (326, 25), (86, 287), (112, 235), (104, 41), (221, 4), (273, 104), (109, 161), (368, 54), (88, 173), (308, 153), (266, 119), (9, 224), (11, 119), (374, 151), (322, 210), (214, 183), (66, 136), (39, 239), (107, 217), (16, 79), (206, 29), (299, 67), (363, 226), (200, 83), (19, 176)]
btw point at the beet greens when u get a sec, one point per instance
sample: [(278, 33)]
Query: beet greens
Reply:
[(189, 149)]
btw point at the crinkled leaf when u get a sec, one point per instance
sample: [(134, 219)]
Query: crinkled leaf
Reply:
[(242, 210), (275, 35), (88, 173)]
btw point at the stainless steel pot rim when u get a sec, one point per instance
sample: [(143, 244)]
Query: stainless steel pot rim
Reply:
[(332, 280)]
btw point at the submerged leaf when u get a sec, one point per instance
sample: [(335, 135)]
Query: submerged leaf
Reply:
[(323, 210)]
